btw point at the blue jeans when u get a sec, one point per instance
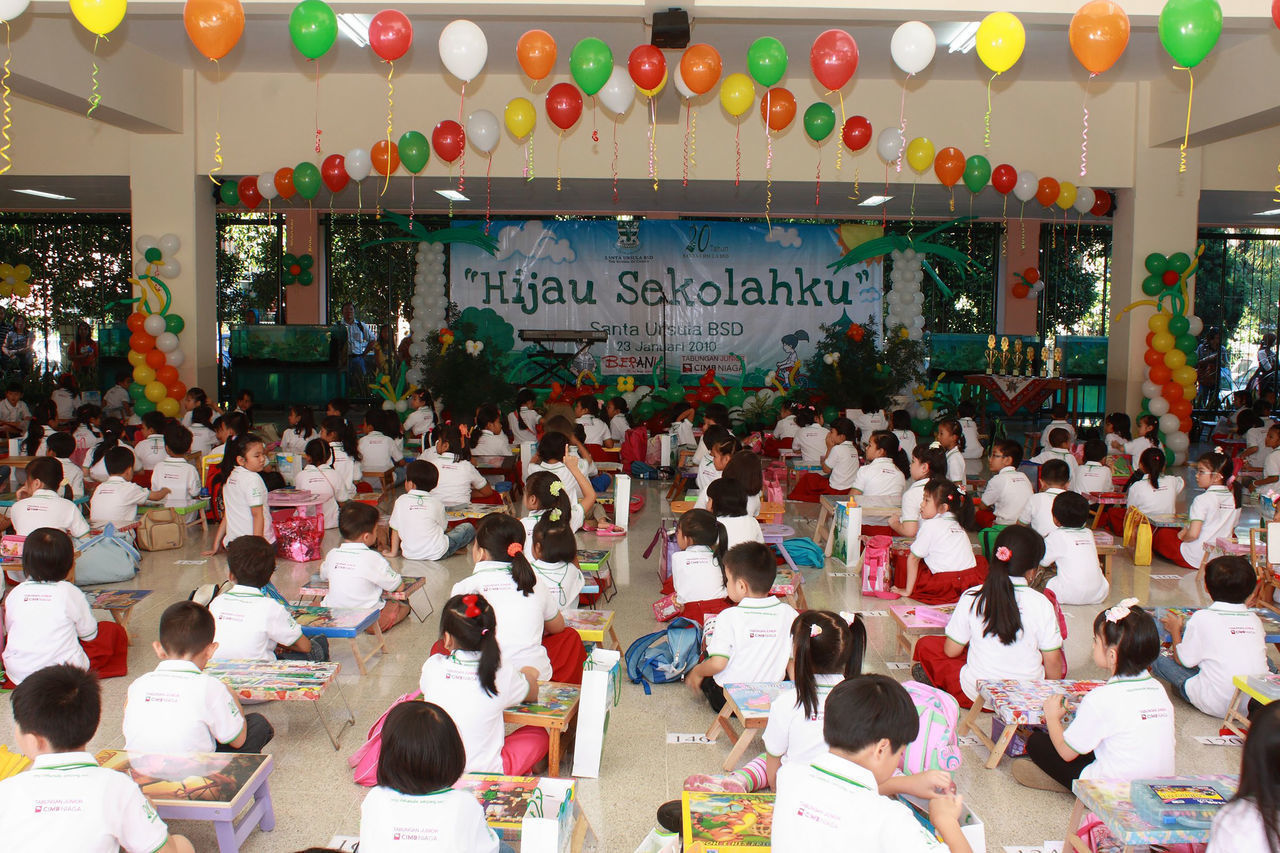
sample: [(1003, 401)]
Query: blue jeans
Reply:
[(459, 538), (1167, 669), (601, 482), (398, 475)]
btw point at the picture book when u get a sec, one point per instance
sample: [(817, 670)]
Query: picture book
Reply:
[(194, 778), (323, 618), (1016, 702), (465, 511), (554, 700), (505, 799), (923, 616), (115, 599), (587, 620), (1268, 685), (724, 822), (290, 497), (1187, 795), (278, 680), (589, 559), (11, 547), (753, 699)]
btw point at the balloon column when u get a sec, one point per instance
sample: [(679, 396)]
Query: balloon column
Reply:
[(153, 344), (429, 304), (906, 299)]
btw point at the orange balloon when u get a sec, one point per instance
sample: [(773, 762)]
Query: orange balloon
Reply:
[(1047, 191), (700, 67), (385, 157), (536, 51), (949, 166), (777, 107), (166, 373), (142, 342), (155, 359), (136, 321), (214, 26), (1099, 34), (176, 389)]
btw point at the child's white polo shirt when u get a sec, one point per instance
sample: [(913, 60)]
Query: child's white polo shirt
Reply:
[(457, 478), (65, 801), (879, 480), (943, 544), (1080, 579), (1224, 640), (491, 444), (1237, 826), (564, 582), (1066, 456), (755, 635), (1155, 500), (420, 422), (73, 476), (149, 452), (520, 617), (1215, 509), (244, 490), (448, 819), (842, 461), (180, 477), (811, 441), (708, 473), (177, 708), (46, 509), (1038, 512), (357, 575), (741, 528), (972, 441), (989, 658), (453, 682), (785, 427), (116, 501), (792, 735), (618, 427), (955, 468), (419, 518), (524, 424), (324, 484), (250, 624), (597, 431), (1056, 424), (696, 575), (1008, 492), (912, 498), (379, 452), (45, 624), (1127, 724), (832, 803), (1092, 478)]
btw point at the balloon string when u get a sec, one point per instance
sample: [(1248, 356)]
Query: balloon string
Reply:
[(595, 114), (532, 174), (653, 143), (737, 150), (952, 201), (391, 67), (559, 142), (1004, 226), (911, 222), (615, 160), (1186, 134), (693, 142), (684, 181), (1084, 133), (359, 206), (970, 235), (840, 148), (317, 104), (902, 124), (817, 187), (462, 163), (488, 194), (1277, 186), (413, 193), (1022, 228), (462, 101), (856, 190), (8, 121), (217, 122), (986, 139), (884, 208), (95, 97)]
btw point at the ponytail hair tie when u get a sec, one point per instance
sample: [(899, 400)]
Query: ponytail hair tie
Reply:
[(1218, 449), (815, 630), (1121, 610), (556, 488), (514, 548), (472, 610), (1003, 554), (556, 515), (936, 445)]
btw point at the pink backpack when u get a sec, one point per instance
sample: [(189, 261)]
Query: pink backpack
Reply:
[(935, 747), (364, 761), (635, 447), (877, 568)]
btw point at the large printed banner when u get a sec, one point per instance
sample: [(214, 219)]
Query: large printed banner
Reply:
[(741, 298)]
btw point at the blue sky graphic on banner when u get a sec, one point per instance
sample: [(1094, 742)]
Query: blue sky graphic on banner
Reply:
[(738, 297)]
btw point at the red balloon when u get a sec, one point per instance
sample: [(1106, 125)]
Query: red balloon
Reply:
[(778, 108), (142, 342), (333, 171), (564, 104), (1151, 336), (448, 139), (1172, 392), (1275, 11), (1182, 409), (1184, 423), (1004, 178), (1020, 290), (136, 322), (176, 390), (1154, 359), (165, 373), (284, 183), (1160, 373), (1101, 204), (857, 133), (248, 189), (646, 65), (390, 34), (1047, 191), (834, 58)]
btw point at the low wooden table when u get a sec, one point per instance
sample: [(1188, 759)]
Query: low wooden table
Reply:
[(412, 591), (593, 626), (750, 704), (342, 625), (555, 709), (594, 563), (1109, 800), (118, 602), (270, 681), (1263, 688), (912, 625), (1016, 703), (777, 534), (212, 786)]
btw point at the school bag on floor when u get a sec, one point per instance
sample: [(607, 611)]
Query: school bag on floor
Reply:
[(161, 530), (635, 446), (936, 746), (664, 656), (105, 558)]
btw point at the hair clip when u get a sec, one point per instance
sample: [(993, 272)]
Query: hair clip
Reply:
[(484, 632), (815, 630), (555, 514), (556, 488), (472, 610), (514, 548), (1003, 554), (1218, 449), (937, 445), (1121, 610)]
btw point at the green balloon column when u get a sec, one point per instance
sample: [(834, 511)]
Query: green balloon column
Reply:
[(153, 345)]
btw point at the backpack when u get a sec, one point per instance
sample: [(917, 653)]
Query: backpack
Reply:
[(664, 656), (105, 558), (364, 761), (161, 530), (935, 747), (635, 446), (805, 552)]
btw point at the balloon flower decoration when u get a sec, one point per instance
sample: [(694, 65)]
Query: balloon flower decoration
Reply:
[(1028, 283), (15, 280), (395, 397), (153, 346), (297, 269), (1170, 385)]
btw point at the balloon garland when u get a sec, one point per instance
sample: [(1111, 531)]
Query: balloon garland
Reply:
[(154, 349)]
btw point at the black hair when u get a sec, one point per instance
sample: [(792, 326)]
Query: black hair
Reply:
[(1218, 463), (198, 395), (1230, 578), (1059, 437), (1135, 639), (186, 628), (485, 415), (996, 602), (1260, 771), (934, 458), (339, 404), (42, 413), (700, 527), (111, 430), (17, 386), (237, 448), (846, 428), (422, 751), (1153, 423), (245, 392), (541, 486), (48, 554), (84, 415), (1010, 448), (1055, 472), (944, 491), (552, 446), (753, 563), (869, 403), (717, 413), (1059, 413), (621, 406), (1247, 420), (251, 560), (889, 445), (866, 709), (727, 498), (318, 452), (61, 704), (901, 420), (1095, 450), (306, 426), (355, 519), (805, 416), (953, 427), (451, 435), (1151, 465), (337, 426), (1071, 509), (61, 445), (496, 535), (553, 540), (154, 420), (718, 439), (525, 395), (47, 470), (118, 460), (823, 643), (235, 422), (1121, 425), (389, 424), (744, 467), (177, 438), (424, 475), (967, 409), (475, 633), (588, 402)]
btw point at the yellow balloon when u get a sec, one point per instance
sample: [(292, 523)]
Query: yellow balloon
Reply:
[(22, 289), (143, 373), (920, 154), (1189, 391), (98, 16), (1001, 39), (168, 407), (155, 391), (656, 89), (6, 270), (1185, 375), (737, 94), (1162, 342), (1174, 359), (1066, 195), (137, 359), (1158, 323), (520, 117)]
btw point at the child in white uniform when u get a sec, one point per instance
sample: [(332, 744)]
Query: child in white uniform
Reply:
[(523, 422), (487, 437), (244, 496), (302, 429), (357, 574), (1059, 414), (1248, 822), (1212, 516), (252, 625), (927, 463), (1093, 477), (1038, 513), (1154, 492), (419, 527), (39, 506), (839, 463), (950, 437), (149, 449), (421, 422), (544, 492), (174, 473), (587, 410), (883, 479), (617, 409), (1008, 491), (61, 447), (972, 448), (811, 436), (1059, 447), (459, 481), (727, 501), (203, 437), (555, 560), (553, 458), (347, 459), (907, 439), (380, 448), (1147, 438), (320, 479), (941, 563), (697, 576), (786, 426), (1071, 549), (721, 445), (117, 500)]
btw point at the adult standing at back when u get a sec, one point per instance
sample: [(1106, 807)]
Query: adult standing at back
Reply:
[(360, 341)]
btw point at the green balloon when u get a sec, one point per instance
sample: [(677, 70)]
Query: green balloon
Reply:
[(305, 278), (153, 255), (819, 121), (313, 27), (1179, 262), (174, 323), (306, 179), (137, 391), (1168, 454), (1189, 29), (1192, 356), (229, 193), (591, 63), (1156, 263), (767, 61), (1178, 325), (414, 149), (977, 172), (143, 406), (1152, 285), (1186, 343)]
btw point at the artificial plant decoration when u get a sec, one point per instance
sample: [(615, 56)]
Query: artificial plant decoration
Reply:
[(845, 367), (464, 375)]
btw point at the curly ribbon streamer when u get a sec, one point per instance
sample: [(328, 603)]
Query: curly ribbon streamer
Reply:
[(856, 191), (951, 202), (768, 174), (95, 97), (902, 124), (217, 122), (737, 151), (615, 161), (559, 142), (595, 115), (684, 180), (970, 235), (413, 194), (1004, 227), (529, 172), (8, 121), (817, 186), (1084, 133), (693, 142), (317, 104), (911, 221), (840, 148), (462, 163), (653, 143), (359, 205), (488, 194), (1022, 228), (391, 90), (6, 112), (986, 138), (1053, 229), (1186, 133)]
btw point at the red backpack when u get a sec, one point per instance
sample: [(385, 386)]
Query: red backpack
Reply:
[(635, 445)]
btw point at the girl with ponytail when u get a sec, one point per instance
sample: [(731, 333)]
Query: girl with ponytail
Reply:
[(697, 569), (1213, 514), (941, 563), (544, 493), (1001, 629), (474, 685), (525, 611), (882, 481), (928, 462)]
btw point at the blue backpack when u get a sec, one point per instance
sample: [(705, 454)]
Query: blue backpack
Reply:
[(665, 655)]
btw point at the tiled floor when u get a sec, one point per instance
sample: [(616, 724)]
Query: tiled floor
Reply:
[(316, 799)]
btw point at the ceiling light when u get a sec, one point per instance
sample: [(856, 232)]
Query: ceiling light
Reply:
[(965, 39), (43, 194), (355, 27), (452, 195), (875, 201), (1275, 211)]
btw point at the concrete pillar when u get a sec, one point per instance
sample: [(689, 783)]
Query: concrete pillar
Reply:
[(305, 305), (1159, 214), (1018, 316)]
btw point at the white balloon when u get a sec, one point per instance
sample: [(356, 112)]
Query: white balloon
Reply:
[(619, 92), (912, 46), (420, 278), (402, 405), (483, 130), (889, 144), (10, 9), (1168, 423), (153, 325), (388, 405), (267, 186), (683, 87), (1085, 200), (1196, 325), (1159, 406), (146, 241), (414, 375), (166, 342), (170, 269), (1177, 442), (1180, 457), (1025, 189), (169, 245), (140, 266), (175, 358), (1150, 390), (463, 49), (358, 164)]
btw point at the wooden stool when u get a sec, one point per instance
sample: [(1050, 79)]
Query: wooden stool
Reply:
[(118, 602), (1263, 688), (555, 708), (911, 626), (750, 704)]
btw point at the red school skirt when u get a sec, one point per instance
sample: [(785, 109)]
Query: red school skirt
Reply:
[(941, 588), (943, 671), (1165, 542), (811, 487)]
